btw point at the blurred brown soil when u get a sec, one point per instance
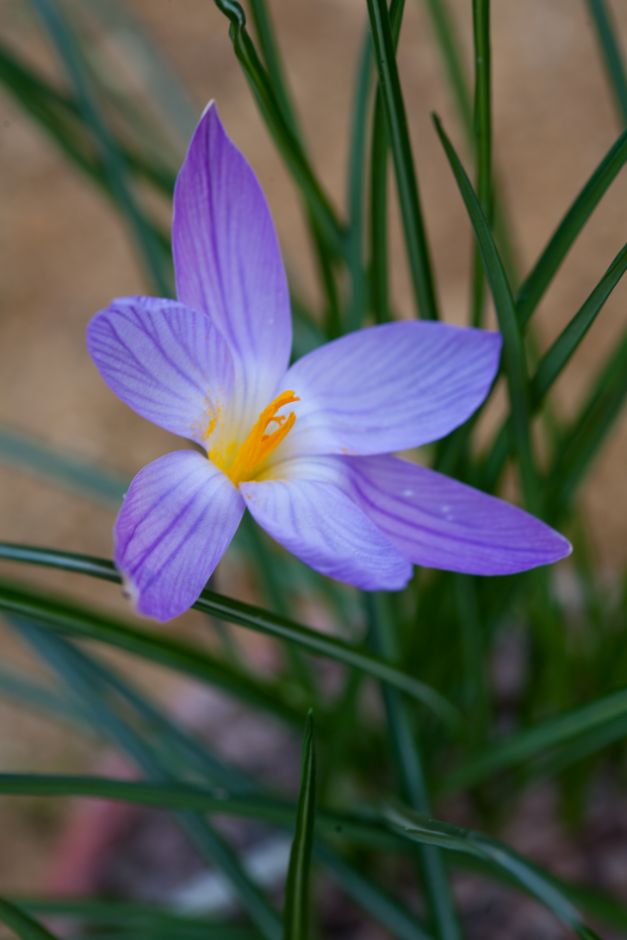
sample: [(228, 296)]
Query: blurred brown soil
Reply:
[(64, 253)]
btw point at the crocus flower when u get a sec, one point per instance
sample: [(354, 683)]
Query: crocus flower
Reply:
[(306, 448)]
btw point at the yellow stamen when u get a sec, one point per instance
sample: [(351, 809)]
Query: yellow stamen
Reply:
[(260, 441)]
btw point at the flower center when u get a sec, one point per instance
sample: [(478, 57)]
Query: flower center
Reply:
[(241, 463)]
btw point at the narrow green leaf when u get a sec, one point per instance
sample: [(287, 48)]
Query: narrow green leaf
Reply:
[(296, 923), (559, 354), (379, 146), (355, 183), (364, 828), (513, 349), (30, 694), (75, 473), (553, 362), (531, 879), (547, 265), (446, 38), (245, 615), (75, 668), (22, 924), (72, 619), (483, 142), (534, 742), (401, 923), (607, 34), (281, 130), (409, 765), (581, 441), (409, 198), (70, 55)]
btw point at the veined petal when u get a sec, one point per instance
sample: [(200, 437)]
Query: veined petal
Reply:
[(389, 387), (440, 523), (310, 514), (227, 258), (175, 524), (168, 362)]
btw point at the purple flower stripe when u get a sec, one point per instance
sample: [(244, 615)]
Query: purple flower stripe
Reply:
[(322, 526), (167, 362), (227, 257), (389, 388), (176, 522), (440, 523)]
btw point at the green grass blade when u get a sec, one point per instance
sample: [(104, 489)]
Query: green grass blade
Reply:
[(379, 147), (547, 265), (296, 923), (582, 440), (444, 31), (531, 879), (409, 198), (408, 760), (74, 667), (607, 35), (401, 923), (558, 356), (355, 185), (534, 742), (285, 138), (513, 349), (33, 695), (71, 619), (21, 923), (21, 451), (553, 362), (132, 916), (483, 142), (70, 55), (162, 650), (367, 829)]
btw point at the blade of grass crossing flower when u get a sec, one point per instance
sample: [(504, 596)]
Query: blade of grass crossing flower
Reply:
[(483, 143), (70, 54), (188, 658), (409, 198), (409, 765), (607, 35), (75, 669), (547, 265), (427, 831), (528, 745), (553, 362), (24, 926), (296, 922), (513, 349)]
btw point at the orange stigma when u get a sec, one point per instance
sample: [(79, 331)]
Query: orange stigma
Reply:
[(265, 435)]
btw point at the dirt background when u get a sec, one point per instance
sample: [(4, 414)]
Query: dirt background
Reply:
[(64, 253)]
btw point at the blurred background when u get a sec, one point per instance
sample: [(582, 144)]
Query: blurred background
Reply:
[(65, 252)]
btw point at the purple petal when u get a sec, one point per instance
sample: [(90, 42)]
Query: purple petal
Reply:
[(169, 363), (227, 258), (317, 521), (440, 523), (389, 387), (175, 524)]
